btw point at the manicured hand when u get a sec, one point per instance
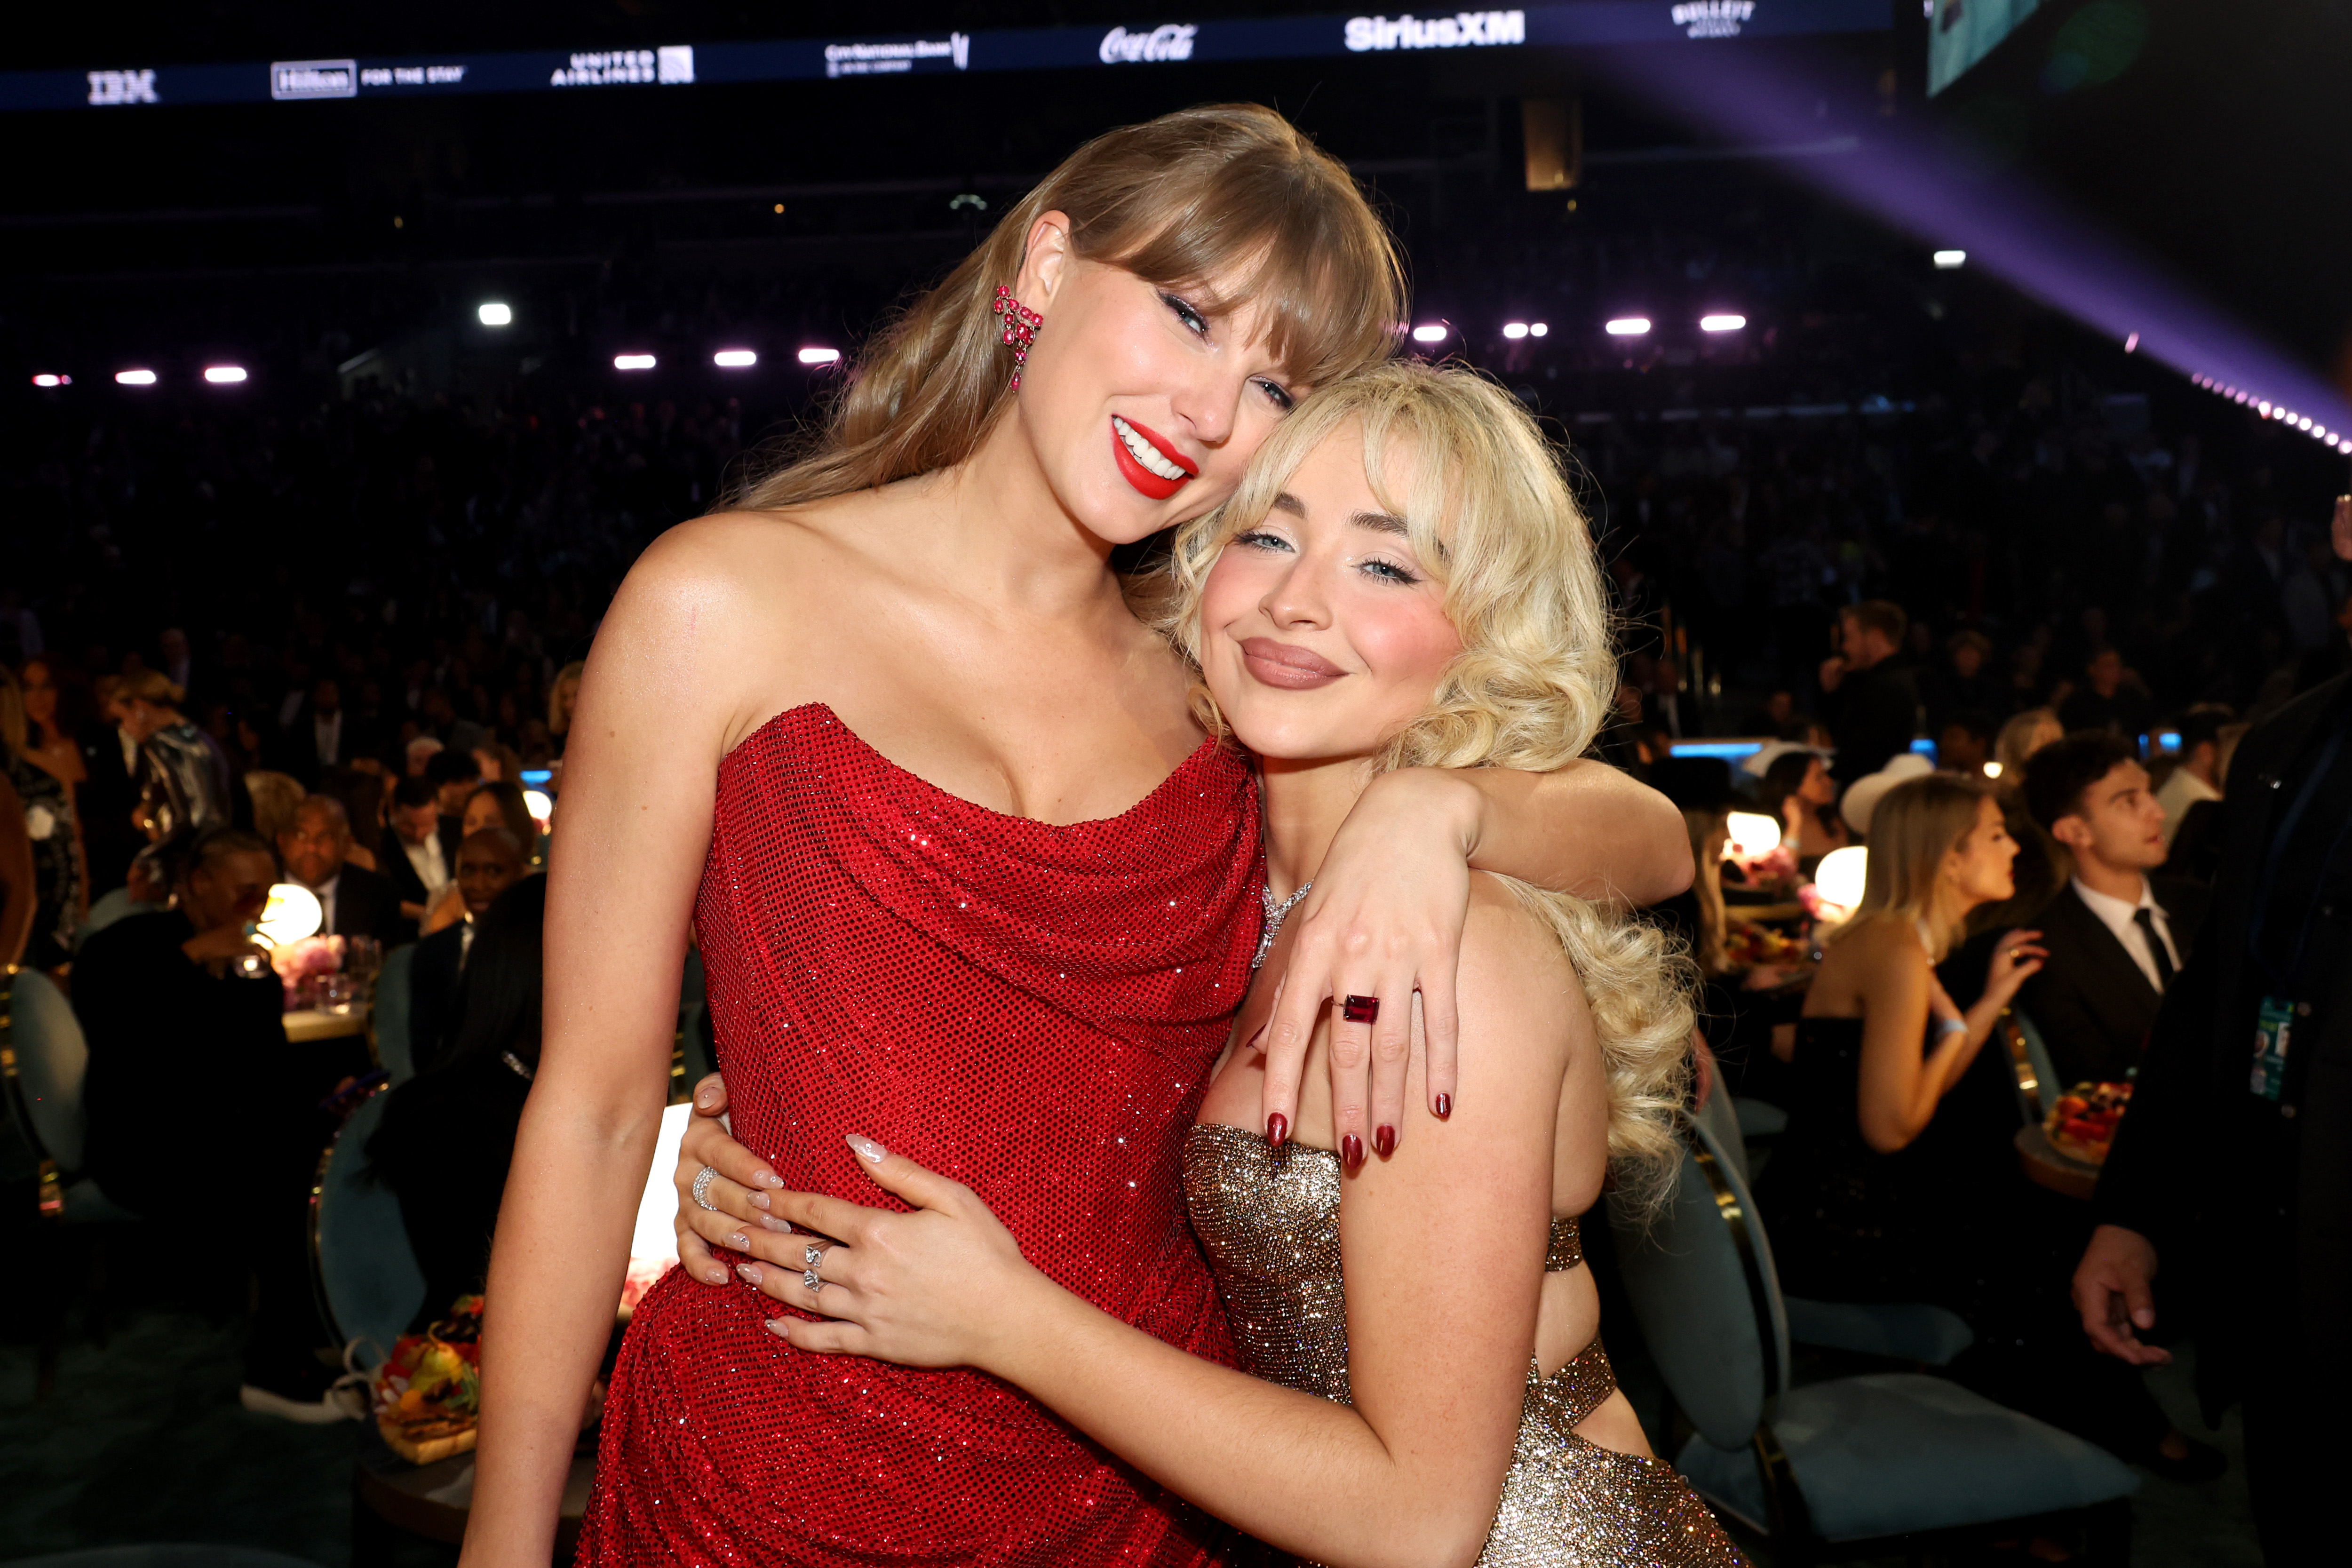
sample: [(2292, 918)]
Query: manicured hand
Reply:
[(2015, 960), (742, 1189), (942, 1286), (1384, 920)]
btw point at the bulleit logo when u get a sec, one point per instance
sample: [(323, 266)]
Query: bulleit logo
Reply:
[(109, 88), (1714, 18), (314, 78), (1169, 41), (1463, 30)]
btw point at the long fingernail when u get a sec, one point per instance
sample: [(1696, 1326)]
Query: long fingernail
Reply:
[(768, 1178), (708, 1097), (864, 1149), (1351, 1151), (749, 1272), (1384, 1142), (1277, 1128), (770, 1222), (717, 1276), (776, 1327), (759, 1200), (739, 1241), (1445, 1106)]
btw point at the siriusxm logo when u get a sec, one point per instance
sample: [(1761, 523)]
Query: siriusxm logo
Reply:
[(1713, 18), (108, 88), (1463, 29), (1170, 41), (314, 78)]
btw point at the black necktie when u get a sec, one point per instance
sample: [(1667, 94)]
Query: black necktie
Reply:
[(2146, 918)]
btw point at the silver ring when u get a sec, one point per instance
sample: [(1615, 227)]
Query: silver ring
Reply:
[(812, 1255), (702, 1180)]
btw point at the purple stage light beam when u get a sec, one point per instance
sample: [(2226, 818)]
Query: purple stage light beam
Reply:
[(2004, 223)]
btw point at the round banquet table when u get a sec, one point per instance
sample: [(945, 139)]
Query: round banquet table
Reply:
[(308, 1024), (433, 1501), (2046, 1165)]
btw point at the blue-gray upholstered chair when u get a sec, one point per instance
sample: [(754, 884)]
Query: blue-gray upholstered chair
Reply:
[(368, 1282)]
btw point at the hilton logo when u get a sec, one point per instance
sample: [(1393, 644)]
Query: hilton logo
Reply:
[(314, 78)]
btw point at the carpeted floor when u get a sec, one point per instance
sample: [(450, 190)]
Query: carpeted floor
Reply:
[(142, 1440)]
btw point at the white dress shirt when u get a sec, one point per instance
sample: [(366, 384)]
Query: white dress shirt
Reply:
[(326, 735), (2119, 916), (430, 868), (2182, 791), (325, 893)]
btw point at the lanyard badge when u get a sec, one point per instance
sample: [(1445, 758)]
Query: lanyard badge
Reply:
[(2271, 1023)]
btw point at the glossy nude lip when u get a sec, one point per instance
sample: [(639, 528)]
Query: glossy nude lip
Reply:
[(1145, 482), (1287, 666)]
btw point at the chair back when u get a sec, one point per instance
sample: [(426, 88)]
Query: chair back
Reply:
[(1721, 1120), (2030, 1066), (696, 1056), (47, 1063), (388, 1017), (114, 906), (1700, 1277), (367, 1283)]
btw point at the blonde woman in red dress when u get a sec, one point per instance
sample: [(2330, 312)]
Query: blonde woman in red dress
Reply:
[(968, 875)]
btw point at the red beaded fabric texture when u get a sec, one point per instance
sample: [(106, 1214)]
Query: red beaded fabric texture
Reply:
[(1029, 1009)]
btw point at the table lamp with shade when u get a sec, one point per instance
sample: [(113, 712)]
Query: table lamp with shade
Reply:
[(1839, 881), (292, 913), (1749, 836)]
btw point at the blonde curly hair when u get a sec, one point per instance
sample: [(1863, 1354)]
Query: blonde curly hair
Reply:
[(1491, 516)]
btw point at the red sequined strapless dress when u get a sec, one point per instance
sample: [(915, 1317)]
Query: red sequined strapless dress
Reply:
[(1031, 1010)]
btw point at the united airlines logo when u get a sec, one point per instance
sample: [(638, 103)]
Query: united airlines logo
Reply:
[(1713, 18), (672, 65), (109, 88), (883, 60), (314, 78), (1170, 41), (1463, 29)]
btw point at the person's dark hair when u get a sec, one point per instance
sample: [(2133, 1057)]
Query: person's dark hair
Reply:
[(449, 766), (512, 810), (499, 1002), (412, 792), (1968, 639), (2057, 774), (2202, 726), (1977, 723), (1783, 778), (1880, 615), (215, 844)]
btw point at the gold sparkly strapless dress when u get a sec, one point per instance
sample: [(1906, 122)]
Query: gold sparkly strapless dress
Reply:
[(1269, 1220)]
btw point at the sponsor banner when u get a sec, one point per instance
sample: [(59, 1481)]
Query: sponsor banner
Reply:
[(1144, 42)]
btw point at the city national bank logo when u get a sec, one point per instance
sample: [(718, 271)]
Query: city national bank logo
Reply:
[(883, 60), (1170, 41), (672, 65), (109, 88), (314, 78), (1714, 18), (1463, 30)]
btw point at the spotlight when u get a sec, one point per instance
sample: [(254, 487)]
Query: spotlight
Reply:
[(2302, 422), (1429, 334), (224, 374), (495, 314), (1537, 329), (1515, 331), (541, 806), (48, 378), (633, 362), (1992, 770), (1628, 327), (2263, 408), (1949, 260), (135, 377), (1725, 323), (2131, 345), (734, 358), (820, 356)]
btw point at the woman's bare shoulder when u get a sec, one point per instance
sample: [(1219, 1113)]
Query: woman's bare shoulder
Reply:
[(1513, 970)]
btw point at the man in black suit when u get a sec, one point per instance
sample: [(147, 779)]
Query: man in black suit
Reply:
[(2234, 1166), (1871, 705), (2116, 936), (421, 870), (353, 900), (322, 734)]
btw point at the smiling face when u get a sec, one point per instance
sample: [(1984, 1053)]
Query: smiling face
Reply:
[(1141, 402), (1322, 632)]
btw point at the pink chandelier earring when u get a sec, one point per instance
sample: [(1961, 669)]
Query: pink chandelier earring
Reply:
[(1021, 324)]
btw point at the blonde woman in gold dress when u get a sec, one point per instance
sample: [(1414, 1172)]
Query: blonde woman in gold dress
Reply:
[(1402, 580)]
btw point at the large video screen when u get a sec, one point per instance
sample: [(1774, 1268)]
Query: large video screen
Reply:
[(1962, 32)]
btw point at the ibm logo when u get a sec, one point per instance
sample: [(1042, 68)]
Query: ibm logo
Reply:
[(107, 87)]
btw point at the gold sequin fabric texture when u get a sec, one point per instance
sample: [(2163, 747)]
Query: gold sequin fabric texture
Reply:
[(1269, 1219), (1029, 1009)]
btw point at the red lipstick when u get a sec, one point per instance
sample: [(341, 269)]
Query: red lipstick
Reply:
[(1145, 482), (1287, 665)]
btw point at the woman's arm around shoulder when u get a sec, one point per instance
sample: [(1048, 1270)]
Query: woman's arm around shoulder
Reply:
[(667, 689)]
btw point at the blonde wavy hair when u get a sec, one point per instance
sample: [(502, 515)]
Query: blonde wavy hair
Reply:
[(1229, 193), (1912, 828), (1490, 515)]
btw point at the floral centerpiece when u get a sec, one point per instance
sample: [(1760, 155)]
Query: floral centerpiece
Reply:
[(429, 1394)]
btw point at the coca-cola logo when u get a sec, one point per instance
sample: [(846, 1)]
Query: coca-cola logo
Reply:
[(1169, 41)]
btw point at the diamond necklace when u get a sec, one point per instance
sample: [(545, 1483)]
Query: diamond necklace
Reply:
[(1275, 915)]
